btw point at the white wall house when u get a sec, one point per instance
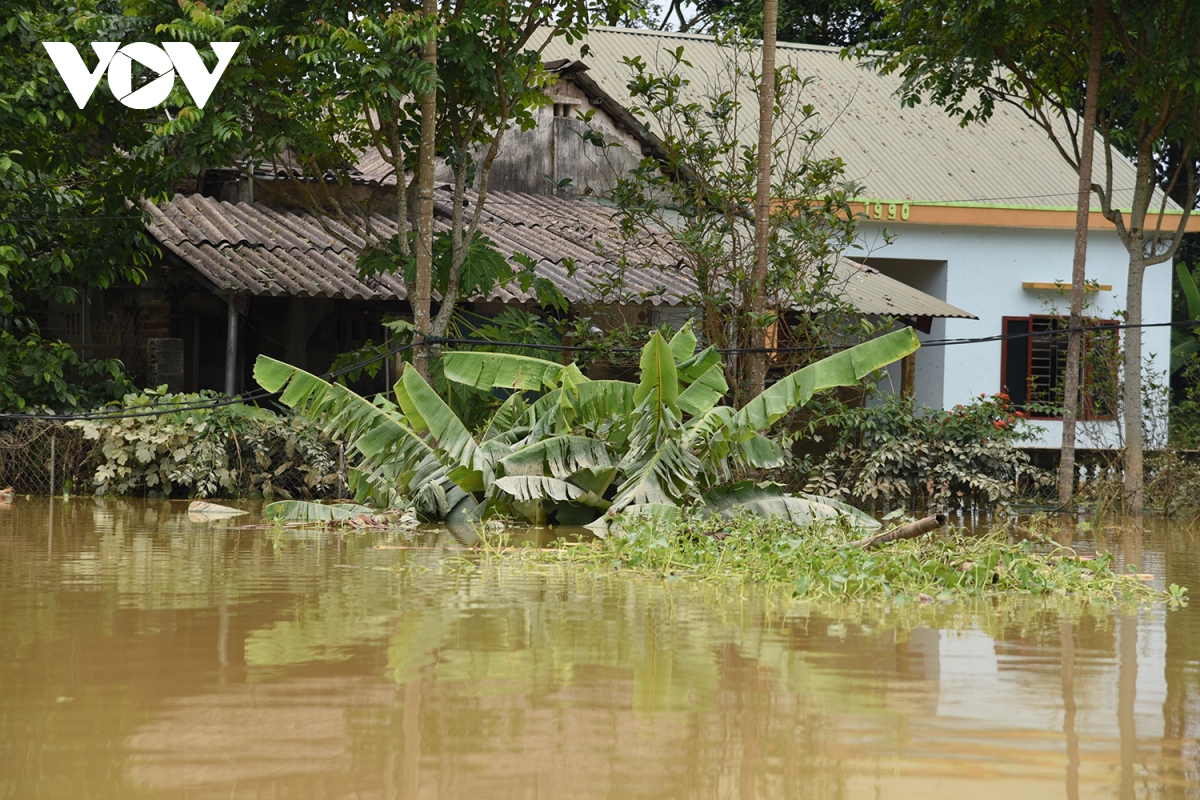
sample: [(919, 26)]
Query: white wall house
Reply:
[(980, 214), (985, 270)]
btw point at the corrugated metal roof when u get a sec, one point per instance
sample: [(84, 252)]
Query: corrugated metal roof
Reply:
[(265, 250), (872, 292), (371, 168), (576, 244), (919, 154)]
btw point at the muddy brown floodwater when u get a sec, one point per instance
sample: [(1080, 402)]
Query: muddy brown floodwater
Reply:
[(144, 655)]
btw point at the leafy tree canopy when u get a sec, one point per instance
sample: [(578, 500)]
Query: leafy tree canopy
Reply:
[(69, 177), (839, 23)]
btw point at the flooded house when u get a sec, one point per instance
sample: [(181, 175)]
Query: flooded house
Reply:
[(983, 216), (965, 233)]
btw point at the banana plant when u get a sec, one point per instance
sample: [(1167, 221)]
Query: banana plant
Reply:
[(583, 450), (1186, 343)]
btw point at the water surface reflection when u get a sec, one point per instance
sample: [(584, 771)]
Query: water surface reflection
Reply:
[(148, 656)]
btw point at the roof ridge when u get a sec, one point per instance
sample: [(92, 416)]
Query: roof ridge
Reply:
[(706, 37)]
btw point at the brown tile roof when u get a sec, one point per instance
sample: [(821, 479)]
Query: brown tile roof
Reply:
[(265, 250), (576, 244)]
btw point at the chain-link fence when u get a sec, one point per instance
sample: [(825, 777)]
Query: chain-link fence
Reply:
[(39, 457), (284, 461)]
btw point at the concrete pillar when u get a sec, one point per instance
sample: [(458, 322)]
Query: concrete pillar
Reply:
[(231, 347)]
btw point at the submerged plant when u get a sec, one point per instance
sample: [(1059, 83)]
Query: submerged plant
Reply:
[(776, 551), (582, 449), (202, 450)]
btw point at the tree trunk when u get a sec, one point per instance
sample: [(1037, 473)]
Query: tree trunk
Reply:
[(756, 366), (1066, 464), (1132, 395), (423, 289)]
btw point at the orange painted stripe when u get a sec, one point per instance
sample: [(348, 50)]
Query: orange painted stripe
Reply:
[(982, 216)]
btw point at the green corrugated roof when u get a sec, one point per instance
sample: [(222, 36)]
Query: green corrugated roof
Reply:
[(900, 154)]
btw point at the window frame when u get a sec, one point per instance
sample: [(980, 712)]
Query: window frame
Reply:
[(1085, 411)]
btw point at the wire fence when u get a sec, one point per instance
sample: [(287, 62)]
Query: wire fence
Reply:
[(39, 457)]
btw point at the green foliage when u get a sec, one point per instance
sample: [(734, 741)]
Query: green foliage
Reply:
[(582, 448), (70, 178), (209, 452), (696, 190), (39, 375), (837, 23), (316, 85), (301, 511), (829, 566), (891, 453), (1186, 343)]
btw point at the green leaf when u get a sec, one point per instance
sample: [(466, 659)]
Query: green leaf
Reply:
[(560, 456), (659, 376), (683, 343), (704, 392), (304, 511), (390, 449), (487, 371), (506, 417), (769, 500), (454, 445), (1190, 292), (662, 474), (846, 368), (535, 488)]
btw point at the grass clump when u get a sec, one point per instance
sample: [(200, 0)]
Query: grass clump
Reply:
[(825, 563)]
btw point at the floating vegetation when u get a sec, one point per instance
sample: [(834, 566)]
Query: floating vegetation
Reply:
[(828, 563)]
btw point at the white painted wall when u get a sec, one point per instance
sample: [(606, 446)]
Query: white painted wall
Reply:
[(985, 270)]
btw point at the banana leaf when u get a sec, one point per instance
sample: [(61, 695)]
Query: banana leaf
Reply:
[(1185, 343), (536, 497), (704, 392), (389, 448), (305, 511), (560, 457), (454, 445), (488, 371), (683, 343), (506, 418), (769, 500), (659, 473), (846, 368), (658, 375)]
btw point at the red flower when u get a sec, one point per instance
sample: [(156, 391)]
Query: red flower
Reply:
[(999, 424), (1021, 414)]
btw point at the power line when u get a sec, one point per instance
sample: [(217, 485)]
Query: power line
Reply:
[(438, 340), (1099, 327), (200, 406)]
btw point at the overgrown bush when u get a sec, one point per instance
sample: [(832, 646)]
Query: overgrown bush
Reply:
[(893, 453), (230, 450), (39, 374)]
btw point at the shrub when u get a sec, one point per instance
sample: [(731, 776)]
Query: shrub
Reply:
[(37, 374), (895, 453), (232, 449)]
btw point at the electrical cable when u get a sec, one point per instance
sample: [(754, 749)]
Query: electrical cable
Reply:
[(438, 340), (205, 406), (434, 340)]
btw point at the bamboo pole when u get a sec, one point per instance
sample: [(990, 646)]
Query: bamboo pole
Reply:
[(910, 531)]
